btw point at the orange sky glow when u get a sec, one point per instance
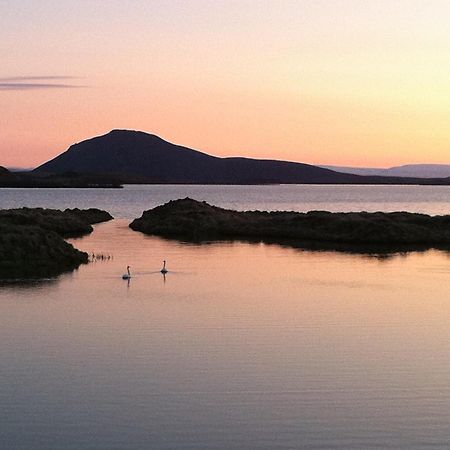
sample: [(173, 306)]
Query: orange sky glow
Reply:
[(344, 82)]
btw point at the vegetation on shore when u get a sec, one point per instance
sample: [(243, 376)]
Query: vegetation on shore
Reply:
[(63, 180), (68, 223), (32, 240), (195, 220)]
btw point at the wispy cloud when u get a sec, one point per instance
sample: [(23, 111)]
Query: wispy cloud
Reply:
[(25, 83), (38, 77)]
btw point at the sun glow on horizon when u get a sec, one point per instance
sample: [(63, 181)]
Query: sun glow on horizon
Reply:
[(340, 82)]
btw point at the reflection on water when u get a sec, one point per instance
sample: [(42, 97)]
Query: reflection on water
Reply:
[(240, 345), (17, 284), (379, 251)]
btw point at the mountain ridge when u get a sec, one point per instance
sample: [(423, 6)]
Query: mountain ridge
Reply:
[(140, 157)]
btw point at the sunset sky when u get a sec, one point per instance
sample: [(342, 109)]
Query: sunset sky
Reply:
[(345, 82)]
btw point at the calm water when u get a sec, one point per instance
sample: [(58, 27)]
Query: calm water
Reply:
[(239, 346), (132, 200)]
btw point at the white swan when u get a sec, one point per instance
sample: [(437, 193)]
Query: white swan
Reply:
[(164, 270), (127, 276)]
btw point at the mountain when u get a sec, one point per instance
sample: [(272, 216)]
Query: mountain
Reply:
[(138, 157), (5, 174), (408, 170)]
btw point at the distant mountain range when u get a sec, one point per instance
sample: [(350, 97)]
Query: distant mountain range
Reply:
[(408, 170), (138, 157), (19, 169)]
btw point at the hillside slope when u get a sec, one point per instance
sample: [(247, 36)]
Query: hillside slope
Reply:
[(138, 157)]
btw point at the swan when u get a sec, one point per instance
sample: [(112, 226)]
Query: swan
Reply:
[(127, 276), (164, 270)]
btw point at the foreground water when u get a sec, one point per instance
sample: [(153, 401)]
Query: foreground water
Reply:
[(239, 346)]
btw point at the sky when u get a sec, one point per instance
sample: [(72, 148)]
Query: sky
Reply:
[(344, 82)]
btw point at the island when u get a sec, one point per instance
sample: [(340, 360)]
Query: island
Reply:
[(364, 232), (32, 241)]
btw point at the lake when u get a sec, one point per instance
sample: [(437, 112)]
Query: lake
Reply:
[(240, 345), (129, 202)]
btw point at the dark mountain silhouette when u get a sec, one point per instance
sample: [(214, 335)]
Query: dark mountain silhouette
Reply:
[(138, 157), (4, 172), (7, 177)]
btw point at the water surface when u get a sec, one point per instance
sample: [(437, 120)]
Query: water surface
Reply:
[(240, 346), (133, 199)]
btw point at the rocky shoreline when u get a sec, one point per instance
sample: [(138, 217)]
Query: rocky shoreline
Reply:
[(32, 241), (189, 219)]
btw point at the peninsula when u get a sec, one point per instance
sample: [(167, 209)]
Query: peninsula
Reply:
[(32, 241), (67, 179), (189, 219)]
